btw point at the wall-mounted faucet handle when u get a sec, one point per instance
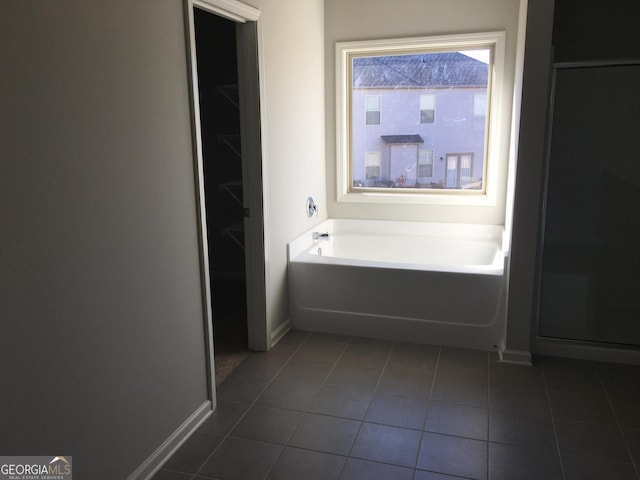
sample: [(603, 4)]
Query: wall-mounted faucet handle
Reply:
[(312, 208)]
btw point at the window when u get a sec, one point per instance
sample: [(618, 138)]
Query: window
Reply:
[(372, 109), (399, 79), (459, 172), (480, 104), (414, 158), (425, 165), (427, 108), (372, 165)]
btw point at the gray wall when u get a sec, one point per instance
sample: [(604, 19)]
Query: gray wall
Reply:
[(531, 154), (577, 36), (101, 333)]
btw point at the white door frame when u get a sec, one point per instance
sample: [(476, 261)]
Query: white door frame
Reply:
[(248, 26)]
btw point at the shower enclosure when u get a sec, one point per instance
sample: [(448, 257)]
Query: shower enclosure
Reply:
[(590, 269)]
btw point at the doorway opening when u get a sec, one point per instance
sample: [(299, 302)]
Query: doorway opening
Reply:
[(224, 68), (217, 67)]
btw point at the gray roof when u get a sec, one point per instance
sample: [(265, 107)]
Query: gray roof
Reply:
[(450, 69)]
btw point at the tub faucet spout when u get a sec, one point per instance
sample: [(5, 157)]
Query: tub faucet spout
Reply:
[(320, 235)]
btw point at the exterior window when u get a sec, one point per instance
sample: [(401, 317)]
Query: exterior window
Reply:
[(372, 109), (425, 165), (480, 104), (372, 165), (402, 80), (411, 155), (427, 108), (458, 173)]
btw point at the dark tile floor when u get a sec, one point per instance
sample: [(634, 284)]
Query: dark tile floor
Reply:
[(230, 326), (323, 407)]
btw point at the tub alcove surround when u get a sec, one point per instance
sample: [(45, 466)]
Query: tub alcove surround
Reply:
[(415, 266), (429, 283)]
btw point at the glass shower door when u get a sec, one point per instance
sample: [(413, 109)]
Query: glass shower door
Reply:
[(590, 274)]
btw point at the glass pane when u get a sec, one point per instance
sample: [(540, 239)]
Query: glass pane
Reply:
[(372, 172), (452, 172), (427, 116), (393, 86), (590, 278), (372, 159), (427, 102), (373, 118), (425, 170), (480, 104), (372, 102), (465, 171), (425, 157)]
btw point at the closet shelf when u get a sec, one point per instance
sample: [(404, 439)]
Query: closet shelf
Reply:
[(232, 141), (234, 190), (236, 233), (230, 92)]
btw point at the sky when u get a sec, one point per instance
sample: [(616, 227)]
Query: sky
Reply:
[(482, 55)]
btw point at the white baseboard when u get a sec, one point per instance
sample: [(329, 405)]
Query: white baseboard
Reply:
[(517, 357), (151, 465), (280, 332)]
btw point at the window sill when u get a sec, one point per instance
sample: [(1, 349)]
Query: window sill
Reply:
[(459, 198)]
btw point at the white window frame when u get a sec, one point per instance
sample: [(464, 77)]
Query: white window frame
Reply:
[(498, 122)]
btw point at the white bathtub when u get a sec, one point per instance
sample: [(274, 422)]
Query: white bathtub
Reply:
[(406, 281)]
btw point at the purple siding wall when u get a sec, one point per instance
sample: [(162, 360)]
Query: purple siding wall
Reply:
[(455, 130)]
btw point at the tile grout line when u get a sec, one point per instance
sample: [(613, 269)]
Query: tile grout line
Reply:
[(488, 410), (426, 416), (624, 438), (364, 416), (335, 363), (228, 434), (601, 375), (553, 422)]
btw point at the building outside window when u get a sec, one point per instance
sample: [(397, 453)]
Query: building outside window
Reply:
[(424, 152), (389, 85)]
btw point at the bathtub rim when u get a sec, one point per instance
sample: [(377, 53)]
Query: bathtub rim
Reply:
[(298, 249)]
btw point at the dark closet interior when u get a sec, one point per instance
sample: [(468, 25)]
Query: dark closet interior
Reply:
[(590, 278), (220, 121)]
